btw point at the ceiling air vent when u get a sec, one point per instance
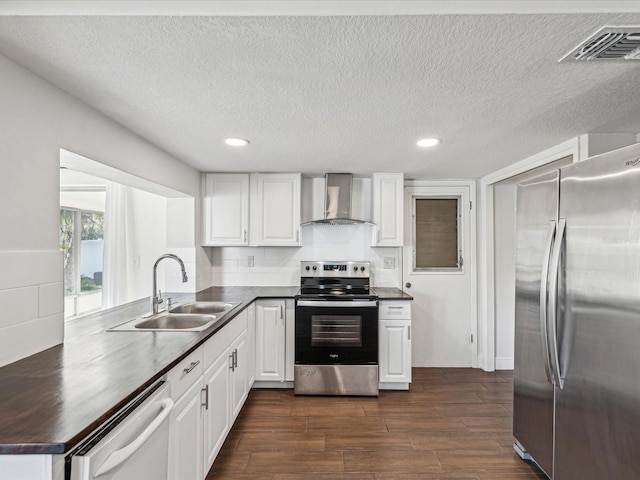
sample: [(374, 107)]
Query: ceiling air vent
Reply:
[(608, 43)]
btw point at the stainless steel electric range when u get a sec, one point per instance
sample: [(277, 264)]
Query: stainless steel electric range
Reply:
[(336, 330)]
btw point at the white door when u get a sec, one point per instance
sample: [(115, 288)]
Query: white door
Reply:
[(444, 308)]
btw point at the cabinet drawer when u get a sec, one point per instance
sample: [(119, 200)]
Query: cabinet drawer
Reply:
[(183, 375), (391, 310)]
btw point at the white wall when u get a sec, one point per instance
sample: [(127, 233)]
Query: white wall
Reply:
[(36, 120), (597, 143), (179, 240), (146, 218), (504, 196)]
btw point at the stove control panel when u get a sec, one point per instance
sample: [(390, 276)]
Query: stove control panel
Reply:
[(336, 269)]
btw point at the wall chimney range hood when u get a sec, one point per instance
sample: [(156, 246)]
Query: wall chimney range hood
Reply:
[(337, 201)]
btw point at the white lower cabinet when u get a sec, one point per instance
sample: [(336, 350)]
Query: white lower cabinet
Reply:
[(217, 421), (251, 344), (239, 374), (185, 444), (394, 330), (205, 412), (270, 340)]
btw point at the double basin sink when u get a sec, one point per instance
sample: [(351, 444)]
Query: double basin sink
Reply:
[(186, 317)]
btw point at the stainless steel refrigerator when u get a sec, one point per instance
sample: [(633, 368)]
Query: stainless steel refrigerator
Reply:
[(576, 409)]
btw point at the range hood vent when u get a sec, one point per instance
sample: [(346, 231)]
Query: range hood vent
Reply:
[(337, 201), (608, 43)]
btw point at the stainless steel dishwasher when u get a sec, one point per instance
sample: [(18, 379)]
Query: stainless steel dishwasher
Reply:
[(133, 444)]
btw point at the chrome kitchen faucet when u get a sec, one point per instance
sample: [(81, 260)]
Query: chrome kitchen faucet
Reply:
[(157, 299)]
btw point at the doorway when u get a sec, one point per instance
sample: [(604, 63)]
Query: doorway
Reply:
[(438, 272)]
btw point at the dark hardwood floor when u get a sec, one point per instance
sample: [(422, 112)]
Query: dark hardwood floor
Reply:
[(454, 424)]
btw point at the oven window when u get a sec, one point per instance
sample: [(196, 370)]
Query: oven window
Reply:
[(336, 330)]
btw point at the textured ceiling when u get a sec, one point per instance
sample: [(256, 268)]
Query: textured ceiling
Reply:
[(338, 93)]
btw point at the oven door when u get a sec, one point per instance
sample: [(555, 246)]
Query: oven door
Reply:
[(342, 332)]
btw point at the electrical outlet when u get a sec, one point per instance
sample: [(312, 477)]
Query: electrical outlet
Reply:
[(250, 261), (389, 262)]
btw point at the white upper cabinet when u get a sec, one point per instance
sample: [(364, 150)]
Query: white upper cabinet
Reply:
[(275, 212), (261, 209), (388, 210), (226, 209)]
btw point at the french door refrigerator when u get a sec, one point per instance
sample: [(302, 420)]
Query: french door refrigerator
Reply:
[(576, 409)]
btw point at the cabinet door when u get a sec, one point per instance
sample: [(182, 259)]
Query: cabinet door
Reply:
[(276, 213), (251, 345), (239, 378), (226, 209), (270, 340), (290, 339), (395, 351), (185, 444), (217, 421), (388, 208)]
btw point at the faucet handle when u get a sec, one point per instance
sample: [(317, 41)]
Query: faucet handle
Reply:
[(159, 297)]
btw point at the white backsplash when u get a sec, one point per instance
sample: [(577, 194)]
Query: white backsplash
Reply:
[(275, 266)]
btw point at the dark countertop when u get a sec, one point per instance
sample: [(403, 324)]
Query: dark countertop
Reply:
[(385, 293), (51, 400)]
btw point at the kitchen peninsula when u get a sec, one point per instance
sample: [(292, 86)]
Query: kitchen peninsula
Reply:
[(52, 400)]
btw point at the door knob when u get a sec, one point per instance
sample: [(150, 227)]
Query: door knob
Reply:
[(408, 285)]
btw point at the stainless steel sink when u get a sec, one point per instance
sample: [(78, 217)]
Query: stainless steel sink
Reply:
[(202, 307), (185, 317), (176, 322), (167, 322)]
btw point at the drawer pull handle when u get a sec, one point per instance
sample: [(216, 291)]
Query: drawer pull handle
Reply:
[(191, 367), (395, 307), (206, 397)]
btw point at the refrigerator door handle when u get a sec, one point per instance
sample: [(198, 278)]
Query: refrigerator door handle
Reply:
[(544, 296), (553, 301)]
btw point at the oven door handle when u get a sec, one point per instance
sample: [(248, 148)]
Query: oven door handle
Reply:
[(343, 303)]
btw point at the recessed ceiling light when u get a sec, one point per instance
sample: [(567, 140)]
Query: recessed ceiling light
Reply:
[(428, 142), (236, 142)]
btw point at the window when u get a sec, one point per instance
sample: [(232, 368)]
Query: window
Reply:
[(437, 234), (82, 243)]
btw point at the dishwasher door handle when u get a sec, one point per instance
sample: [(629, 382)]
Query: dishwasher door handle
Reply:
[(120, 456)]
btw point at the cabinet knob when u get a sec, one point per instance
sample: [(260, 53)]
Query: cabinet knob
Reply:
[(408, 285)]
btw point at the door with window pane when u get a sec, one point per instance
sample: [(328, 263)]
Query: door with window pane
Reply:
[(436, 273)]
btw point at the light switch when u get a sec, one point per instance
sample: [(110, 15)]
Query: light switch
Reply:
[(250, 261)]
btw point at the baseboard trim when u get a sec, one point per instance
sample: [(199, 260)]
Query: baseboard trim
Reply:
[(504, 363)]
